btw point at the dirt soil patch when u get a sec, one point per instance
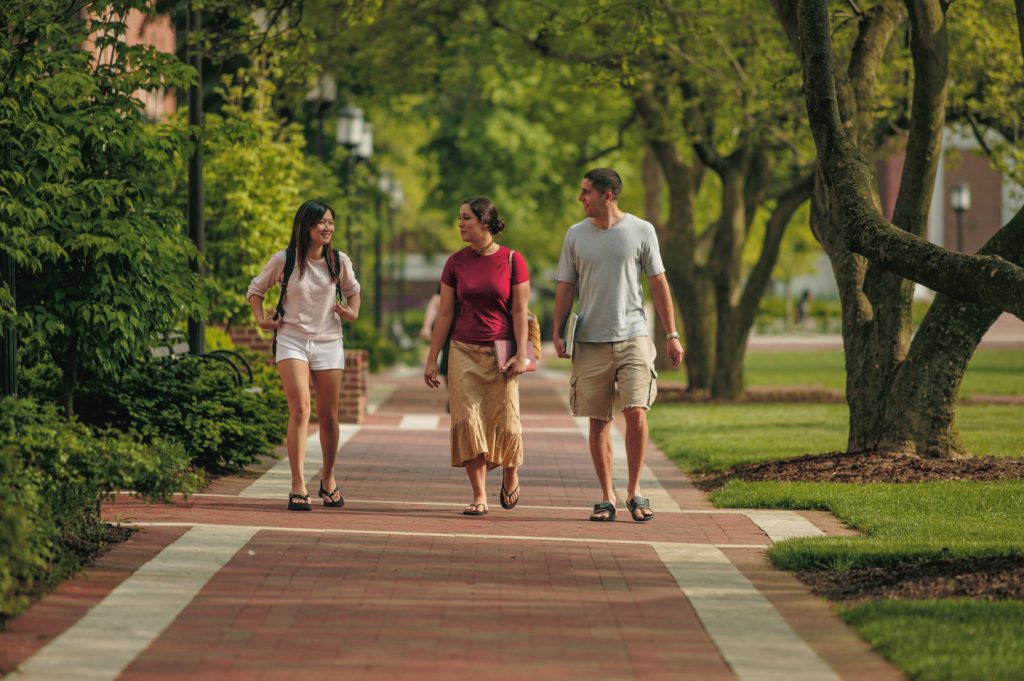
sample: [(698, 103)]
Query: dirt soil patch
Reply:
[(866, 467), (991, 578)]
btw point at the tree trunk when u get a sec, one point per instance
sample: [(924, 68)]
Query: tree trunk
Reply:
[(654, 185)]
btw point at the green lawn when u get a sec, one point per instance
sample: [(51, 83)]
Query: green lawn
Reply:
[(962, 639), (948, 639), (710, 437), (991, 371)]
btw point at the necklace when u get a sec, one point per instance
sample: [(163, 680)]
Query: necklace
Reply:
[(481, 251)]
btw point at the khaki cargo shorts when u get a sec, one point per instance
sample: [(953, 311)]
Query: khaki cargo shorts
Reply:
[(606, 374)]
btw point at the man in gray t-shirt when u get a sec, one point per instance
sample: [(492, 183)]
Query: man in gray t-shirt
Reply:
[(604, 257)]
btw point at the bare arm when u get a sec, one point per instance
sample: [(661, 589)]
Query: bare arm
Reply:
[(662, 297), (442, 325), (563, 304), (262, 321), (349, 310), (430, 316), (520, 300)]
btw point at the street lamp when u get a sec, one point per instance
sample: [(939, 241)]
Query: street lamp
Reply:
[(321, 97), (356, 135), (960, 202)]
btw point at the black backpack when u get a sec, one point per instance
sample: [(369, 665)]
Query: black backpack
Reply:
[(289, 267)]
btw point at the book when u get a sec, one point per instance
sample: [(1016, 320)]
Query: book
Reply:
[(572, 324), (504, 350)]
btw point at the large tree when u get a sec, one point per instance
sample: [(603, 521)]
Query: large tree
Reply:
[(710, 96), (101, 254), (902, 393)]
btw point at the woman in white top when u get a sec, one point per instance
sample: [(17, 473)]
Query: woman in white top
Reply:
[(308, 336)]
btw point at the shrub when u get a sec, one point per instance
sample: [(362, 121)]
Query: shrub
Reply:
[(53, 474), (195, 401)]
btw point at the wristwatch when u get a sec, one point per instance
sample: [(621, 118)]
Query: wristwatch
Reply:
[(674, 334)]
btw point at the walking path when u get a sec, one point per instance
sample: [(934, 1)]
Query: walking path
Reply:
[(400, 585)]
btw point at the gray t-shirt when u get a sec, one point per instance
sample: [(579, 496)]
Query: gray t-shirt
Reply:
[(607, 265)]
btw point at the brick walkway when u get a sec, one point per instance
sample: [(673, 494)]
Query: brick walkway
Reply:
[(400, 585)]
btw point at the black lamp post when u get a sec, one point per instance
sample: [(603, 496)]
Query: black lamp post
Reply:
[(320, 98), (356, 135), (196, 227), (960, 202)]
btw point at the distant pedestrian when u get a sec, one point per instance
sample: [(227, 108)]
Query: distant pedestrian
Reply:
[(307, 325), (802, 306), (605, 257), (492, 287)]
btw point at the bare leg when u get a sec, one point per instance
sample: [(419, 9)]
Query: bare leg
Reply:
[(510, 481), (295, 379), (636, 451), (328, 389), (476, 469), (601, 453)]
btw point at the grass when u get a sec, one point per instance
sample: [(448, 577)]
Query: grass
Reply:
[(991, 371), (947, 639), (714, 437), (901, 522), (929, 640)]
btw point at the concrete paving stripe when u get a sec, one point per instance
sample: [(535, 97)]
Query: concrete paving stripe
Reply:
[(449, 535), (106, 640), (276, 482), (750, 634), (780, 525), (420, 422)]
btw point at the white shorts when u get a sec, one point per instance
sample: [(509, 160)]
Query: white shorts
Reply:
[(319, 355)]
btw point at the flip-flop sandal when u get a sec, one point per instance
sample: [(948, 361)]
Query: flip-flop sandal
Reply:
[(635, 505), (328, 497), (299, 502), (604, 507), (477, 509), (506, 497)]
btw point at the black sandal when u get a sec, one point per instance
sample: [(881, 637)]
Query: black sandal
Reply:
[(603, 507), (299, 502), (506, 497), (635, 506), (475, 509), (328, 497)]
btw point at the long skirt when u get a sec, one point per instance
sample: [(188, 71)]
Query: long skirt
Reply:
[(484, 408)]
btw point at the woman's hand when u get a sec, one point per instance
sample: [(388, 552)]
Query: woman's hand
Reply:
[(271, 323), (345, 312), (516, 365), (430, 372)]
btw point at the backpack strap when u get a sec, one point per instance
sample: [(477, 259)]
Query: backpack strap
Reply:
[(337, 282), (289, 267)]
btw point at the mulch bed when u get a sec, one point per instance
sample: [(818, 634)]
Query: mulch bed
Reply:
[(863, 467), (989, 578), (986, 578)]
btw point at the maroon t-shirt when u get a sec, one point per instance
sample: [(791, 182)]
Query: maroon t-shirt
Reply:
[(483, 288)]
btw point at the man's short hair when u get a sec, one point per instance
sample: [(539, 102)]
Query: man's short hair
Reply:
[(605, 180)]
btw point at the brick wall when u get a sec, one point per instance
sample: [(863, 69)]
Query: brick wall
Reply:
[(354, 380)]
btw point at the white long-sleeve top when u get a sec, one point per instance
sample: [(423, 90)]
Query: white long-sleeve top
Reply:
[(309, 304)]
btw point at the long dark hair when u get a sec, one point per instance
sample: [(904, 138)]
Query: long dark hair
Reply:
[(486, 212), (306, 217)]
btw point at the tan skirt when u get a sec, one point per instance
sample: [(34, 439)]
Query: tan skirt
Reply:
[(484, 408)]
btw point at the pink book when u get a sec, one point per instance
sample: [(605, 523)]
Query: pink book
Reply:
[(504, 350)]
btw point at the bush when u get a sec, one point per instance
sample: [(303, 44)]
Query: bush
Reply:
[(53, 474), (197, 402)]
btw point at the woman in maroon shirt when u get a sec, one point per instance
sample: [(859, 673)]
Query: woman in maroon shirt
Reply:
[(492, 290)]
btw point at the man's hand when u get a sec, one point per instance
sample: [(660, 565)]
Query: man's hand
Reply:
[(560, 346), (675, 351)]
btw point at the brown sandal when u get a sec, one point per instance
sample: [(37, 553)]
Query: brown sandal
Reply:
[(475, 509)]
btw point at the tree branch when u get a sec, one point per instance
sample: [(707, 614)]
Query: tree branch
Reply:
[(929, 50), (984, 279)]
